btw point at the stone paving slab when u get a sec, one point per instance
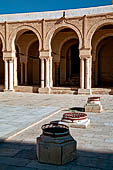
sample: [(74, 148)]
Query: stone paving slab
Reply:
[(14, 119), (20, 110), (94, 144)]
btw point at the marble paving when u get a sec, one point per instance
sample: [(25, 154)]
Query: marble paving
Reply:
[(94, 144)]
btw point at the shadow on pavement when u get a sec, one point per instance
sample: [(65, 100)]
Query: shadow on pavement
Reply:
[(80, 109), (22, 156)]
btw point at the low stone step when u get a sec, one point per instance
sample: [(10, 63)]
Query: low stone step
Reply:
[(60, 90), (102, 91), (29, 89)]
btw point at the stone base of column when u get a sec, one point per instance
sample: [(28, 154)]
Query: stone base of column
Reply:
[(45, 90), (11, 90), (85, 91), (7, 90)]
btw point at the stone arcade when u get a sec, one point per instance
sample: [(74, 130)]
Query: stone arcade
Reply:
[(47, 51)]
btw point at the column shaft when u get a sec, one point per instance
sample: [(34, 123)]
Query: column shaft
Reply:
[(57, 69), (69, 64), (21, 73), (11, 75), (6, 75), (50, 72), (82, 73), (25, 73), (90, 72), (69, 68), (47, 73), (87, 72), (15, 72), (42, 73)]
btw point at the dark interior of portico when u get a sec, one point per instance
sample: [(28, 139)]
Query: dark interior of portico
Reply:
[(73, 65), (105, 62)]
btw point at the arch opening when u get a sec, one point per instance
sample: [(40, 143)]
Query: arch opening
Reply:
[(66, 61), (105, 62), (102, 57), (28, 62)]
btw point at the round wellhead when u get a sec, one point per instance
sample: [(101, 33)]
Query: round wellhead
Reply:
[(94, 99), (55, 130), (74, 116)]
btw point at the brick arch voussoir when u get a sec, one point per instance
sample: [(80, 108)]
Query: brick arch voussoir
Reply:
[(95, 27), (99, 40), (2, 38), (59, 27), (13, 35)]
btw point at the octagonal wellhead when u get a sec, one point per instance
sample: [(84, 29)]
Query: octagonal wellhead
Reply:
[(75, 119), (93, 105), (55, 145)]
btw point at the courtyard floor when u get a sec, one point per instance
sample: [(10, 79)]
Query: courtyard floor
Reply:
[(23, 114)]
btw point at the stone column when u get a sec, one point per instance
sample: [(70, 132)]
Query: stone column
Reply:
[(6, 74), (62, 70), (26, 73), (47, 72), (87, 72), (42, 73), (15, 72), (50, 72), (11, 75), (90, 73), (38, 70), (57, 68), (69, 68), (21, 73), (82, 73), (69, 60)]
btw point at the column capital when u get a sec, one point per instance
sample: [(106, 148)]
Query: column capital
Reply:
[(8, 55), (11, 59), (56, 60), (42, 58), (44, 54), (23, 59), (47, 58), (85, 57), (85, 53)]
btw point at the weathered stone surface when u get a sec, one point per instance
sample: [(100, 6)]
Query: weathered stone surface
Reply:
[(93, 105), (83, 124), (84, 91), (56, 151), (93, 108), (94, 144), (44, 90)]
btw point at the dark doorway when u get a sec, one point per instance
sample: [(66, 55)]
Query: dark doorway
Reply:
[(75, 60), (73, 65)]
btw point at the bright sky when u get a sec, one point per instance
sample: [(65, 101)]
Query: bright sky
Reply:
[(20, 6)]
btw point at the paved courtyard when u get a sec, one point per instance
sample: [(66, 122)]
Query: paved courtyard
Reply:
[(23, 114)]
